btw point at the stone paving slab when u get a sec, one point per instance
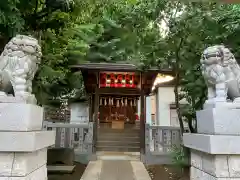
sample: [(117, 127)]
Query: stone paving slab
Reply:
[(115, 170)]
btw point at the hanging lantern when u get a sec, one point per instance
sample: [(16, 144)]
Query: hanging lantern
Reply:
[(109, 101), (105, 101)]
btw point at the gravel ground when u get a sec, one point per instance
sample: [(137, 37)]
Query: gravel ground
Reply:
[(165, 172)]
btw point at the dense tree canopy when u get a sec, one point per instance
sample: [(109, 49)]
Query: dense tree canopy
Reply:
[(200, 25), (77, 31), (74, 31)]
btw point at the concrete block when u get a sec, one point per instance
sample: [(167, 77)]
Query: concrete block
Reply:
[(225, 121), (197, 174), (215, 165), (213, 144), (22, 164), (234, 168), (196, 159), (226, 105), (26, 141), (39, 174), (20, 117)]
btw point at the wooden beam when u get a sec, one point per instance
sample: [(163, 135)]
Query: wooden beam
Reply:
[(119, 91)]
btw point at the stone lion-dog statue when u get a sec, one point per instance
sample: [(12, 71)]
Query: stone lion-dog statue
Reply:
[(221, 73), (18, 65)]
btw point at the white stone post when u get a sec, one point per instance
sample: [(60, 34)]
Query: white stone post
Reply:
[(215, 149), (23, 144)]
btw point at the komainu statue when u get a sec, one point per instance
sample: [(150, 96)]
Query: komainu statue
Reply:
[(222, 74), (18, 64)]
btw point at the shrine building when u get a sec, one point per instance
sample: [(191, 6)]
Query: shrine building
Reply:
[(122, 99)]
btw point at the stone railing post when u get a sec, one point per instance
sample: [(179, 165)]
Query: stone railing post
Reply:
[(215, 149)]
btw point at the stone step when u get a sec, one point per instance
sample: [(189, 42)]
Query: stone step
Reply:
[(123, 135), (118, 131), (118, 138), (118, 157), (118, 148), (118, 143)]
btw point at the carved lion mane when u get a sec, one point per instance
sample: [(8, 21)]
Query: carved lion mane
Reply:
[(18, 64)]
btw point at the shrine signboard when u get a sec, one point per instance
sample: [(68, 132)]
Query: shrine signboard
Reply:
[(117, 80)]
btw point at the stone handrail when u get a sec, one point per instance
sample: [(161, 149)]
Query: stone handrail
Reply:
[(161, 139), (77, 136)]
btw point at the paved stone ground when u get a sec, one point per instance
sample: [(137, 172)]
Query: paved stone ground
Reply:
[(115, 170)]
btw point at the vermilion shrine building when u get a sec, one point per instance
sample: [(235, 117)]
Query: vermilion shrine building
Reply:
[(115, 91)]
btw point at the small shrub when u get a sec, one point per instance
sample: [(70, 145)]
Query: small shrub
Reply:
[(180, 156)]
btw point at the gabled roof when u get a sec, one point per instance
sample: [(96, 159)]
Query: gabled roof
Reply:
[(115, 67), (90, 74)]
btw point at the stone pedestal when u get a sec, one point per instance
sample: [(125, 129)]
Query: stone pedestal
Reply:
[(23, 144), (215, 150)]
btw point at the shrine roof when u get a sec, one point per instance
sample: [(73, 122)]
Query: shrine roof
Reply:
[(90, 76), (114, 67)]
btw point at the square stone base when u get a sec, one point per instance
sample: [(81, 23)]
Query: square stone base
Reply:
[(20, 117), (26, 141), (197, 174), (22, 164), (213, 144), (39, 174), (219, 166), (220, 120)]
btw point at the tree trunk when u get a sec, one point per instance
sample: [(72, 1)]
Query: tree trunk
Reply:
[(176, 87), (178, 104)]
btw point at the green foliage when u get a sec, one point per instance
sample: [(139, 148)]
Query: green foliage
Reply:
[(199, 25), (75, 31), (179, 156)]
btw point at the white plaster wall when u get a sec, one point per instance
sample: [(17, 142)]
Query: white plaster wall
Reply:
[(79, 112), (165, 98), (148, 110)]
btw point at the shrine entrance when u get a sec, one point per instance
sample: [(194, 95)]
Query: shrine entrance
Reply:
[(114, 91), (118, 108)]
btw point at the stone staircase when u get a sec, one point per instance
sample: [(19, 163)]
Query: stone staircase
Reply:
[(119, 140)]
